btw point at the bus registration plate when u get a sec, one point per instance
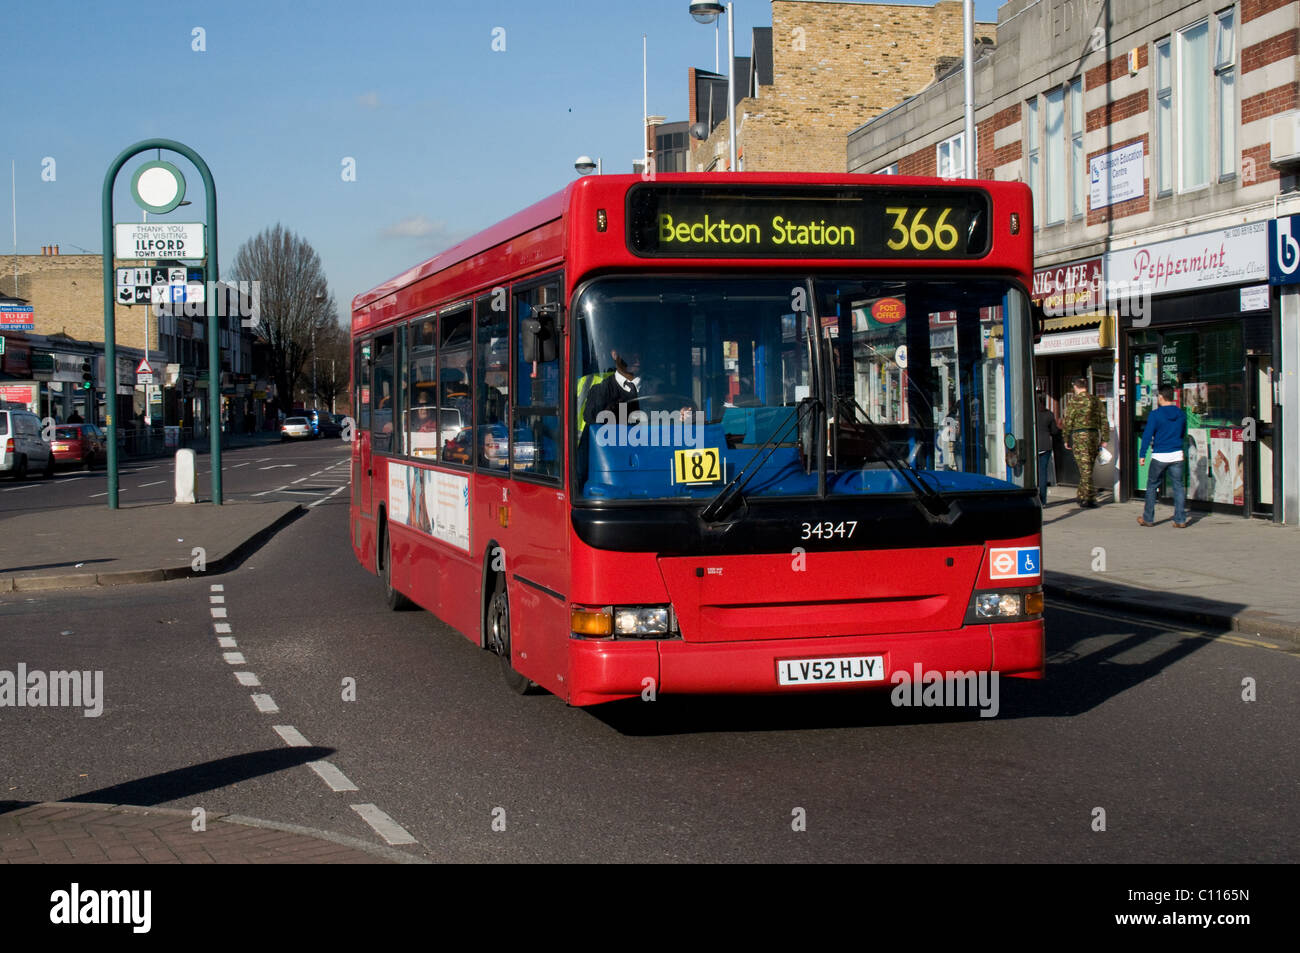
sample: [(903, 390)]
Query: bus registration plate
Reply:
[(824, 671)]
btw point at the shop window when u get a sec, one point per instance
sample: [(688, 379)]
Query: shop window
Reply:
[(1078, 172), (1054, 185), (950, 157), (1225, 59), (1031, 150)]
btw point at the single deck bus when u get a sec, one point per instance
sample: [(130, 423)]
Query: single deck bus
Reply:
[(751, 433)]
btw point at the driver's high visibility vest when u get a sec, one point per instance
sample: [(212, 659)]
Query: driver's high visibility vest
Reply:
[(585, 385)]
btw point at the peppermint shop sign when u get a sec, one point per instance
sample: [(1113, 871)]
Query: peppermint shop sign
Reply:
[(1226, 257)]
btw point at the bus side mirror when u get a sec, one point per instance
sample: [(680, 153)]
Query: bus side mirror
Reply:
[(539, 337)]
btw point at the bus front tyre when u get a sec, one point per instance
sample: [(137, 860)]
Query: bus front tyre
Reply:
[(392, 598), (498, 633)]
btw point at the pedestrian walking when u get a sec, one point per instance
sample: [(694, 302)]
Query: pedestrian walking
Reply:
[(1165, 433), (1086, 429), (1048, 430)]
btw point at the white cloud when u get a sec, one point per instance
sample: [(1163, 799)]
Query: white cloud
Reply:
[(416, 226), (369, 100)]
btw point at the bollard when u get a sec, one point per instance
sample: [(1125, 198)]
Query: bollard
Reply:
[(185, 476)]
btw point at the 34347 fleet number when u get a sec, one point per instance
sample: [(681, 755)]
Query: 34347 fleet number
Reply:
[(829, 530)]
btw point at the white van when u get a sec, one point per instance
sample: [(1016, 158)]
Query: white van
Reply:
[(21, 446)]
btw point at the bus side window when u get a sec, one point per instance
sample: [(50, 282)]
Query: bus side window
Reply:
[(422, 419), (537, 437), (455, 366), (361, 399), (492, 382), (382, 394)]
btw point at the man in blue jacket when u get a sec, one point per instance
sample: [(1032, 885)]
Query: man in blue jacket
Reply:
[(1165, 433)]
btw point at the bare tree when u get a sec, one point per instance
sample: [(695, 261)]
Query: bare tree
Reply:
[(296, 303), (332, 364)]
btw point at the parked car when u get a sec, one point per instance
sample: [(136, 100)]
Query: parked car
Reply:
[(329, 425), (296, 428), (21, 446), (79, 444)]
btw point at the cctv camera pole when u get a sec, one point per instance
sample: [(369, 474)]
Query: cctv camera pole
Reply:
[(110, 327)]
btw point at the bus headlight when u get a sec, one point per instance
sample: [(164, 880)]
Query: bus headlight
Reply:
[(641, 620), (1004, 606)]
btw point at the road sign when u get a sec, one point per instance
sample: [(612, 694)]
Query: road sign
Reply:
[(158, 240), (143, 367)]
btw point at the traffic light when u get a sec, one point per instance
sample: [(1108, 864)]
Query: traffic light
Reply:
[(87, 379)]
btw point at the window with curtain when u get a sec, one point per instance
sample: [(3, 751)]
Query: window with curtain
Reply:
[(1225, 60), (1193, 69), (1078, 172), (1164, 118), (1054, 185)]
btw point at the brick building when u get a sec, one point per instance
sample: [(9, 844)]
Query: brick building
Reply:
[(823, 69), (1144, 133)]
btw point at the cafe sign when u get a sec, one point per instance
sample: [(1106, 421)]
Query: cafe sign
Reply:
[(1070, 289)]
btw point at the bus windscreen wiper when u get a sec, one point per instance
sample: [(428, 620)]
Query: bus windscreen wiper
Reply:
[(725, 501), (934, 507)]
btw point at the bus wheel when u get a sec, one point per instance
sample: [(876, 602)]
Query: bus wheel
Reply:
[(498, 638), (392, 598)]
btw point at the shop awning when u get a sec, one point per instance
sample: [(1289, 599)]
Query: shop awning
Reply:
[(1090, 320)]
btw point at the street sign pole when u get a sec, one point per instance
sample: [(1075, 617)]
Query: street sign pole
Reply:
[(110, 325)]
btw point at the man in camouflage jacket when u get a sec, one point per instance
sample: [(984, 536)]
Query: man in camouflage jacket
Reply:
[(1086, 429)]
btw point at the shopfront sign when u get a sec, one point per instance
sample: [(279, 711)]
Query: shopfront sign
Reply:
[(1069, 342), (1071, 289), (1284, 251), (1228, 256)]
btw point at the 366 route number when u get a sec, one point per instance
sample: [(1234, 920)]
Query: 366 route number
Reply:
[(918, 236), (829, 530)]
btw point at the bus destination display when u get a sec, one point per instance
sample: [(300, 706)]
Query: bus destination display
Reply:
[(734, 222)]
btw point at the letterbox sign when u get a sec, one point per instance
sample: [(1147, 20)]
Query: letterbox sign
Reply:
[(722, 221), (144, 240)]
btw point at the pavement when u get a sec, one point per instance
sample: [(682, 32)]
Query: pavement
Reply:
[(76, 547), (1222, 571), (74, 833)]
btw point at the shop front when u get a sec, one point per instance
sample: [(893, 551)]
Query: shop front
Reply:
[(1072, 297), (1208, 333)]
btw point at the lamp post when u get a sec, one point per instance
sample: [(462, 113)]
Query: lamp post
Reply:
[(704, 11)]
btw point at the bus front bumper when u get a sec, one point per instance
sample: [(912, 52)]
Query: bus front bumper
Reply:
[(603, 671)]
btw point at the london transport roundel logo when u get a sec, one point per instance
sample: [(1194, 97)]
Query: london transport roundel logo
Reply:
[(1004, 563), (888, 311)]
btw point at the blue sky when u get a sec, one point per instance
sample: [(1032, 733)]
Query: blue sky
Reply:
[(448, 135)]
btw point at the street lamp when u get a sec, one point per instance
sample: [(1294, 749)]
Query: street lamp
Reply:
[(320, 299), (586, 164), (706, 12)]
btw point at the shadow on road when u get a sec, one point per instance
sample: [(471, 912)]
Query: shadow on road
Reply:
[(195, 779), (1085, 669)]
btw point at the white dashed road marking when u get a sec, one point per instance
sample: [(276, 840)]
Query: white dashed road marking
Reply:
[(227, 643), (336, 779), (233, 658), (217, 587), (384, 826), (248, 679), (292, 736), (221, 627), (218, 612), (265, 704)]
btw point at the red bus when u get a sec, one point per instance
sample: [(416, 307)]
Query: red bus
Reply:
[(752, 433)]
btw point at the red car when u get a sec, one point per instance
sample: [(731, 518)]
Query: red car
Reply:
[(78, 444)]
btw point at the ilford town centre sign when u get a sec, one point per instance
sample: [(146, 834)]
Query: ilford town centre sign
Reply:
[(177, 240)]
